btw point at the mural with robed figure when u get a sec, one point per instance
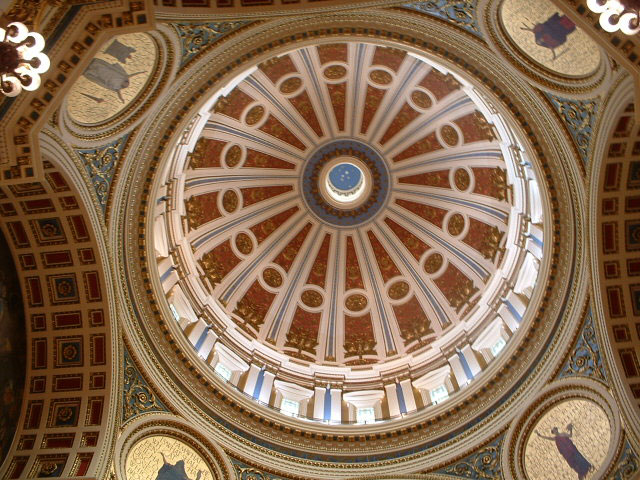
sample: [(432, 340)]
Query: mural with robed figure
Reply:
[(549, 38), (570, 441), (113, 79), (160, 457)]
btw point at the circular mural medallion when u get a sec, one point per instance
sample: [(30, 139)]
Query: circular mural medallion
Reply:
[(398, 290), (433, 263), (549, 37), (357, 302), (421, 99), (571, 440), (163, 457), (462, 179), (114, 78)]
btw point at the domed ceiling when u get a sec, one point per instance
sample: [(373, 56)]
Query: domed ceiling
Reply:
[(348, 204)]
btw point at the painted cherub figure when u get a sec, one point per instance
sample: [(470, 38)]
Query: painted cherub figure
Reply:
[(569, 451)]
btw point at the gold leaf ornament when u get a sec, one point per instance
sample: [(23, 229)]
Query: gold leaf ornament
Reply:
[(356, 302), (311, 298), (244, 243), (272, 277)]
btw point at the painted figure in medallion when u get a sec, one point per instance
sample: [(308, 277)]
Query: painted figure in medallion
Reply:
[(552, 33), (174, 472), (111, 76), (569, 451)]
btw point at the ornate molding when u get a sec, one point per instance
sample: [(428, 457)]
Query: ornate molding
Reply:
[(579, 117), (246, 472), (137, 395), (101, 163), (461, 13), (196, 37), (628, 463), (585, 359), (481, 464)]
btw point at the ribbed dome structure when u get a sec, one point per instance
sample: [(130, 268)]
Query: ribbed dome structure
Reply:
[(350, 205)]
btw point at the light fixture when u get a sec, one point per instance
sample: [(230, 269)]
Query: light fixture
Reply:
[(623, 15), (21, 59)]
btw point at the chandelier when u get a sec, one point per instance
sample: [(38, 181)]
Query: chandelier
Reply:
[(21, 59), (623, 15)]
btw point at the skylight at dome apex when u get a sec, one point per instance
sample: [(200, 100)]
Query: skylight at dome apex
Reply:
[(355, 213)]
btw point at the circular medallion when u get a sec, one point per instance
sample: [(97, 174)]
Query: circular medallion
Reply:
[(255, 115), (335, 72), (232, 157), (398, 290), (449, 135), (356, 302), (160, 456), (571, 440), (272, 277), (311, 298), (244, 243), (433, 263), (462, 179), (230, 201), (290, 85), (421, 99), (547, 36), (456, 224), (380, 77), (112, 81)]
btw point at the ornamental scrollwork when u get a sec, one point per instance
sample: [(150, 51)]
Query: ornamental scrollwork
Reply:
[(195, 37), (482, 464), (138, 397), (100, 164), (245, 472), (579, 117), (459, 12), (585, 359), (628, 464)]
